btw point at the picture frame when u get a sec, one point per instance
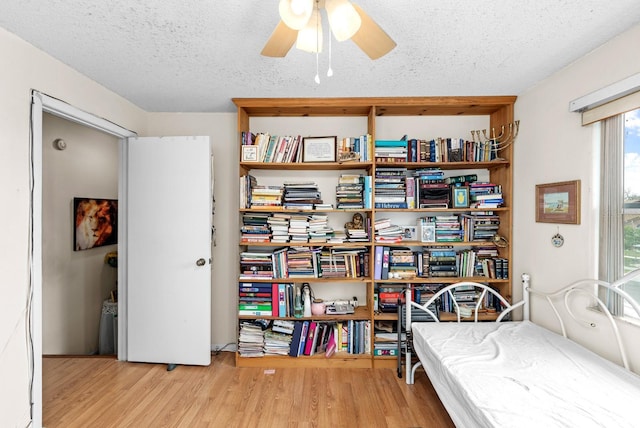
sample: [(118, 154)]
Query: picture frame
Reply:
[(409, 233), (95, 223), (319, 149), (249, 153), (427, 231), (460, 197), (558, 202)]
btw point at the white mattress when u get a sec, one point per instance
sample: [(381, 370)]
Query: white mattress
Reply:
[(517, 374)]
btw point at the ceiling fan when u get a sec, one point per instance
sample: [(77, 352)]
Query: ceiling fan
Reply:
[(301, 24)]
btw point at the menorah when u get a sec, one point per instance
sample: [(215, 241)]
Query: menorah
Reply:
[(507, 136)]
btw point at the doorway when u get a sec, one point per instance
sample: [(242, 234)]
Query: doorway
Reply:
[(40, 104), (79, 287)]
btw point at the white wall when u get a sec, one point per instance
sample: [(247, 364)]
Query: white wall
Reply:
[(553, 146), (25, 68), (74, 283)]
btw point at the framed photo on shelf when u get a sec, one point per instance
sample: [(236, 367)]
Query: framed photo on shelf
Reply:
[(319, 149), (427, 231), (249, 153), (460, 197), (410, 233), (558, 202)]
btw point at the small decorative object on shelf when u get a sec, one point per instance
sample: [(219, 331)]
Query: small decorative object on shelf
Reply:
[(357, 222), (499, 142), (298, 310), (306, 290)]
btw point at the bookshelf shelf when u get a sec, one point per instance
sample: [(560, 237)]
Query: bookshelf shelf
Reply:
[(377, 117)]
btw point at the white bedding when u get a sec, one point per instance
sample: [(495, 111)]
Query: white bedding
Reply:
[(517, 374)]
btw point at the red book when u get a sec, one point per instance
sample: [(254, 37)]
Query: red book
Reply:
[(274, 298), (311, 341)]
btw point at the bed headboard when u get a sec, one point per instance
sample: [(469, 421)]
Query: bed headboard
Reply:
[(482, 290), (556, 300), (589, 288)]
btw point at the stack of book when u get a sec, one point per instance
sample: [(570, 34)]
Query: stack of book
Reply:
[(385, 231), (251, 340), (279, 225), (301, 195), (256, 265), (277, 338), (402, 263), (390, 188), (388, 297), (391, 151), (442, 262), (448, 228), (319, 230), (299, 228), (302, 262), (255, 298), (485, 195), (350, 192), (255, 228), (481, 226), (266, 196)]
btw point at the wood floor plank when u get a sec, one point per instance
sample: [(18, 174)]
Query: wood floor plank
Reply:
[(99, 392)]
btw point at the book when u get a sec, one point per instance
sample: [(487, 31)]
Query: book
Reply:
[(311, 340), (295, 339), (282, 300), (303, 338), (377, 267), (385, 263)]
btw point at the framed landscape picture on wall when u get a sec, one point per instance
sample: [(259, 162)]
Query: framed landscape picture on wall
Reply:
[(558, 202)]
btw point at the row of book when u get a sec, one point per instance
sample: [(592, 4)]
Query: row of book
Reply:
[(393, 187), (402, 188), (288, 149), (435, 150), (353, 191), (280, 227), (433, 262), (304, 338), (305, 262)]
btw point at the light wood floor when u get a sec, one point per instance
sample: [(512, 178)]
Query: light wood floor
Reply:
[(104, 392)]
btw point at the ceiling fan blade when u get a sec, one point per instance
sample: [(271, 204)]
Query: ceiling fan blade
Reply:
[(280, 42), (371, 38)]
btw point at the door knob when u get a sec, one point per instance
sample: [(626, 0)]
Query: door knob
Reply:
[(200, 262)]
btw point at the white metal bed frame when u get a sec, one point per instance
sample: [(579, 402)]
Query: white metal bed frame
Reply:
[(587, 287)]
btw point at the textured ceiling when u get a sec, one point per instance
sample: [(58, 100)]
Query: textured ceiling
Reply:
[(194, 56)]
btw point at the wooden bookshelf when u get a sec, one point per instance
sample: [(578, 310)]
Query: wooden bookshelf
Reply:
[(498, 111)]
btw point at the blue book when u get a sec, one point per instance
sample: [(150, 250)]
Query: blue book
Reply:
[(303, 337), (295, 339), (282, 300), (391, 143)]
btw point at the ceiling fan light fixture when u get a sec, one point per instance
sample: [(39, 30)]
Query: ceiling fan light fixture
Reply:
[(344, 20), (310, 37), (296, 13)]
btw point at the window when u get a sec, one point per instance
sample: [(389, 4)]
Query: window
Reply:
[(631, 201), (620, 205)]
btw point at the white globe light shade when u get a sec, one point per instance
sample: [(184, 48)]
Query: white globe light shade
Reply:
[(310, 37), (344, 20), (295, 13)]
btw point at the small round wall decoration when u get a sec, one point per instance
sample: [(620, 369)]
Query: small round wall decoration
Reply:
[(557, 240)]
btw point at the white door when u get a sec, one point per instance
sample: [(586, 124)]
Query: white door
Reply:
[(169, 250)]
